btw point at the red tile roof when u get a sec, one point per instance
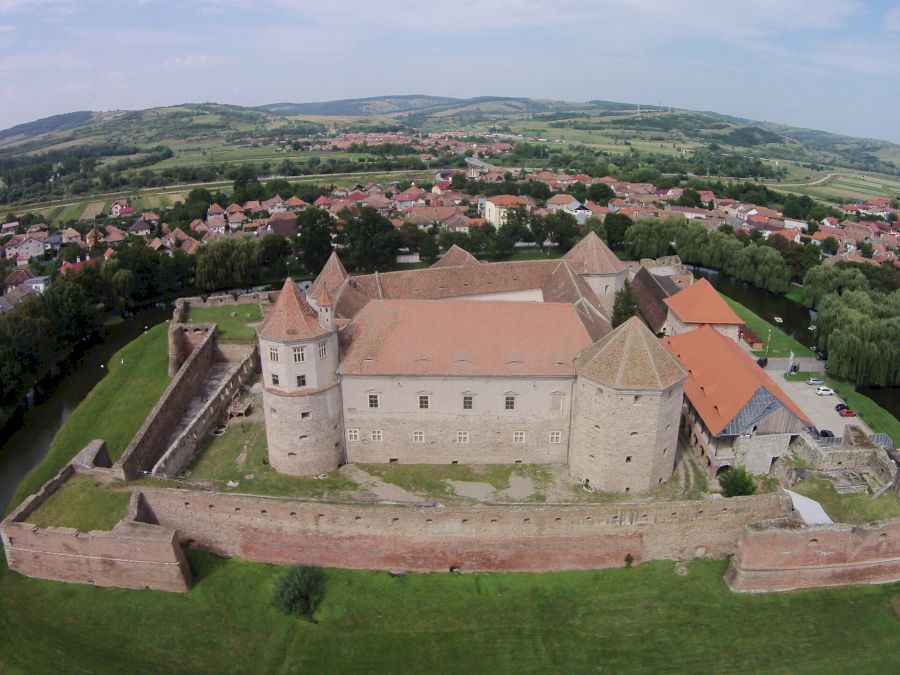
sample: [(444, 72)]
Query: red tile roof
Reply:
[(292, 318), (722, 377), (701, 303), (464, 338)]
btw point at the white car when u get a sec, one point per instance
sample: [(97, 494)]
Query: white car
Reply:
[(815, 380), (824, 391)]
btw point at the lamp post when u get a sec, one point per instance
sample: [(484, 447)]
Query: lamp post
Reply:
[(769, 340)]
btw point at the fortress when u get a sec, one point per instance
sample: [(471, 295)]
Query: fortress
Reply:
[(473, 363)]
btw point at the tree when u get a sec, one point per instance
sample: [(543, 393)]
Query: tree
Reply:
[(314, 238), (600, 193), (411, 236), (372, 240), (624, 306), (616, 225), (273, 250), (866, 249), (830, 245), (429, 251), (299, 591), (689, 197), (737, 482), (226, 263)]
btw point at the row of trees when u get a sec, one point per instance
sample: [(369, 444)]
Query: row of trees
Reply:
[(858, 322)]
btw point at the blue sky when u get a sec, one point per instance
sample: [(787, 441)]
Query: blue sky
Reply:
[(824, 64)]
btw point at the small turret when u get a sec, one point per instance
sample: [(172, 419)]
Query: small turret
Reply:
[(326, 310)]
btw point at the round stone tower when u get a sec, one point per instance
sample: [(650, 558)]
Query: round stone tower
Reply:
[(626, 411), (298, 349)]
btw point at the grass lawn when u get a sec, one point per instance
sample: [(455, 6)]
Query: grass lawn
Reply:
[(646, 619), (113, 411), (230, 327), (881, 420), (797, 294), (242, 451), (850, 508), (782, 344), (84, 504)]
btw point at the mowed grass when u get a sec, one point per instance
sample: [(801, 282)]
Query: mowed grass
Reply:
[(113, 411), (645, 619), (83, 503), (880, 420), (781, 345), (852, 509), (230, 327), (241, 452)]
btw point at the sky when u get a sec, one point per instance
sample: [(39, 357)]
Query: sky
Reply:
[(823, 64)]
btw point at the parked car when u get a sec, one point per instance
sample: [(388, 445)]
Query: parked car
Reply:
[(821, 356), (815, 380), (762, 362), (846, 412), (824, 391), (840, 406), (825, 433)]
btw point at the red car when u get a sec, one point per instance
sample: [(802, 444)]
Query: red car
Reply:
[(846, 412)]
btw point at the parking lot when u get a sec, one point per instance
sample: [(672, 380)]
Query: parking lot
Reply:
[(820, 409)]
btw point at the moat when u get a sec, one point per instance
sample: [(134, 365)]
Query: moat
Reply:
[(25, 444)]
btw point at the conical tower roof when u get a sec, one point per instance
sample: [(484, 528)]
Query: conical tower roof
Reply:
[(324, 299), (331, 277), (292, 318), (630, 358), (592, 256)]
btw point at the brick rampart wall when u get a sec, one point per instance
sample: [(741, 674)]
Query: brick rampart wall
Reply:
[(148, 444), (131, 555), (426, 538), (774, 557)]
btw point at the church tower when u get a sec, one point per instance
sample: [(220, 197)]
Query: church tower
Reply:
[(298, 350), (626, 411)]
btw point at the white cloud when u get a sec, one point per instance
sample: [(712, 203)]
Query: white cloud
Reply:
[(194, 61), (892, 20)]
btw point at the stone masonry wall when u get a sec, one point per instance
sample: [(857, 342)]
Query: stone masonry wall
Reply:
[(775, 557), (182, 450), (428, 539), (131, 555), (147, 446), (874, 461)]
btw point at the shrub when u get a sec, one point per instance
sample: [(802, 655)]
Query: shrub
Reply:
[(629, 559), (299, 590), (737, 482)]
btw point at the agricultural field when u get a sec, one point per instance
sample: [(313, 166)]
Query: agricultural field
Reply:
[(847, 186), (92, 210)]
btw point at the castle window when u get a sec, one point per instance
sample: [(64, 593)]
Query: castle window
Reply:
[(376, 435), (424, 401), (556, 437), (373, 400), (323, 350), (301, 380), (462, 436), (303, 437), (274, 380), (518, 437), (637, 400), (418, 437), (299, 354), (509, 403), (305, 415), (273, 354), (352, 434), (467, 402), (556, 403), (628, 459)]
